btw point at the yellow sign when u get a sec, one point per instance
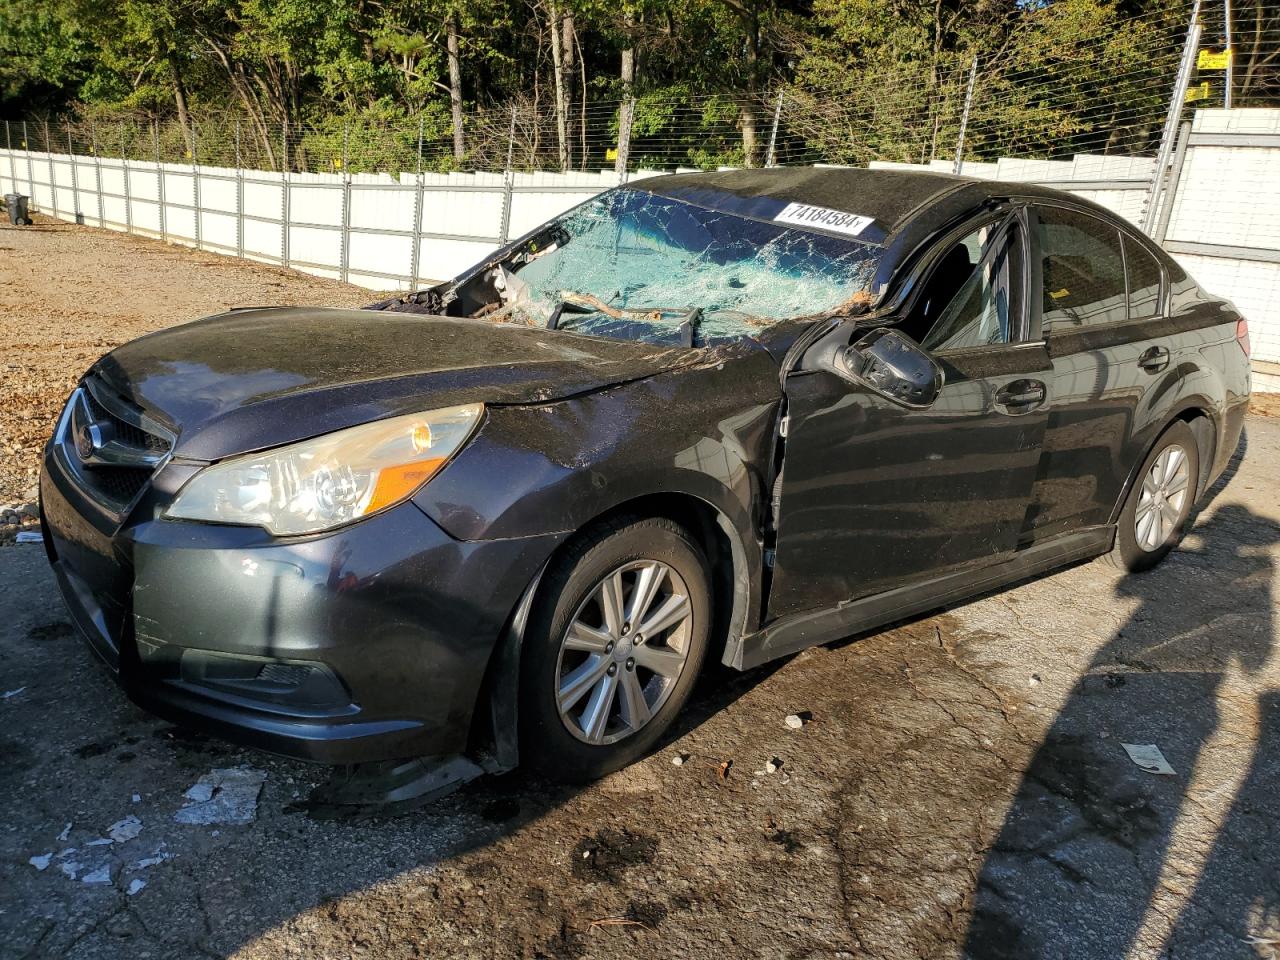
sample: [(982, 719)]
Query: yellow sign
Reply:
[(1208, 60), (611, 153), (1198, 92), (337, 164)]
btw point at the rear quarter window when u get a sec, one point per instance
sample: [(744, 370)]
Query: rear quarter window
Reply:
[(1083, 270), (1145, 281)]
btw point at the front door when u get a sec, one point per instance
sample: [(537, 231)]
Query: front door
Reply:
[(875, 495)]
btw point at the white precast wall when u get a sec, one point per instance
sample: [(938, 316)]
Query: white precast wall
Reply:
[(376, 230), (390, 232)]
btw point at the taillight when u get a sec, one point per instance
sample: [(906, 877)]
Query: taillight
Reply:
[(1242, 335)]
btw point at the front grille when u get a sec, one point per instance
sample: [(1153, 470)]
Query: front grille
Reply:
[(120, 484), (128, 433), (109, 446)]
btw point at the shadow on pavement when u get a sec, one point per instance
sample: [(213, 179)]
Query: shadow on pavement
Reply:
[(1093, 836)]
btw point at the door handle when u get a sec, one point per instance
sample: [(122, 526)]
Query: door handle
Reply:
[(1020, 396), (1154, 359)]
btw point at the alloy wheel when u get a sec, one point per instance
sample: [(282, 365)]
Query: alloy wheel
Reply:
[(623, 652), (1164, 494)]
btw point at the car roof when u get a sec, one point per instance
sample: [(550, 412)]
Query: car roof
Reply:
[(893, 198)]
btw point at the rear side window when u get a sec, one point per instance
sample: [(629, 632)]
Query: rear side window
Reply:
[(1144, 281), (1083, 270)]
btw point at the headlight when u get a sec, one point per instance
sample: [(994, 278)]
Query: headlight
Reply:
[(331, 480)]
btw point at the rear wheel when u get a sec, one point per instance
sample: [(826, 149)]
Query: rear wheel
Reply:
[(1156, 510), (613, 648)]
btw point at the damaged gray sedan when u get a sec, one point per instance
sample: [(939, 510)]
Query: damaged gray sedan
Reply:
[(509, 519)]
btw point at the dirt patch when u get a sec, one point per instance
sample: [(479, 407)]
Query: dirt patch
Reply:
[(1265, 404), (59, 313)]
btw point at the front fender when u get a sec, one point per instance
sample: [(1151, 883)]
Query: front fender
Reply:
[(706, 432)]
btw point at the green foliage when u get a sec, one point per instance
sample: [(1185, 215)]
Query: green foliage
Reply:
[(863, 79)]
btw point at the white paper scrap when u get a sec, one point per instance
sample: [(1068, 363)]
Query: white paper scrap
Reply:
[(1147, 757)]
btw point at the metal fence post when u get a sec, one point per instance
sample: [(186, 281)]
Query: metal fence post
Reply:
[(964, 117), (164, 207), (239, 198), (284, 196), (415, 246), (195, 181), (97, 169), (1176, 101), (8, 147), (128, 193), (31, 178), (1226, 35), (771, 156), (53, 180), (508, 184), (1175, 177), (75, 179), (344, 249)]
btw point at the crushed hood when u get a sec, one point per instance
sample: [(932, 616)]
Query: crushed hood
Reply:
[(252, 379)]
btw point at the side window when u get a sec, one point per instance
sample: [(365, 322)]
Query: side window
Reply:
[(1144, 281), (971, 297), (1083, 270)]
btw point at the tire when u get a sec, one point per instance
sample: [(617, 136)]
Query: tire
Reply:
[(1141, 545), (626, 553)]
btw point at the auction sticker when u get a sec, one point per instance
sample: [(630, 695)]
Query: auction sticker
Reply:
[(824, 218)]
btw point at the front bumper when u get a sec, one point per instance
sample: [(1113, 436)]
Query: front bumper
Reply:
[(368, 643)]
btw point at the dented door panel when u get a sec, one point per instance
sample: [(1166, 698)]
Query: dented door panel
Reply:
[(876, 496)]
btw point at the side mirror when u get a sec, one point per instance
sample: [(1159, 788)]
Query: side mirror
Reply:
[(894, 366)]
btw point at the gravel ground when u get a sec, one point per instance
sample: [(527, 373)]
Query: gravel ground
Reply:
[(959, 787), (69, 294)]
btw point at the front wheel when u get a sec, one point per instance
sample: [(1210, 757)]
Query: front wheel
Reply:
[(1156, 510), (613, 648)]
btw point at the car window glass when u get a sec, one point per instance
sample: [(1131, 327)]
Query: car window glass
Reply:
[(981, 312), (1144, 281), (1083, 270)]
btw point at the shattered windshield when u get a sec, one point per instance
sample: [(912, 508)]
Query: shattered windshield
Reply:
[(634, 265)]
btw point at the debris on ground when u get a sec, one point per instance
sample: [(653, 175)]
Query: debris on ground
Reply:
[(135, 886), (29, 536), (11, 693), (223, 796), (100, 875), (66, 832), (794, 721), (126, 829), (1147, 757), (678, 760), (159, 855), (723, 772), (773, 766), (618, 922), (1034, 680), (41, 862)]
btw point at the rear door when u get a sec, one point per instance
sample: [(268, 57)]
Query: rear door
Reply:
[(1104, 297), (874, 495)]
